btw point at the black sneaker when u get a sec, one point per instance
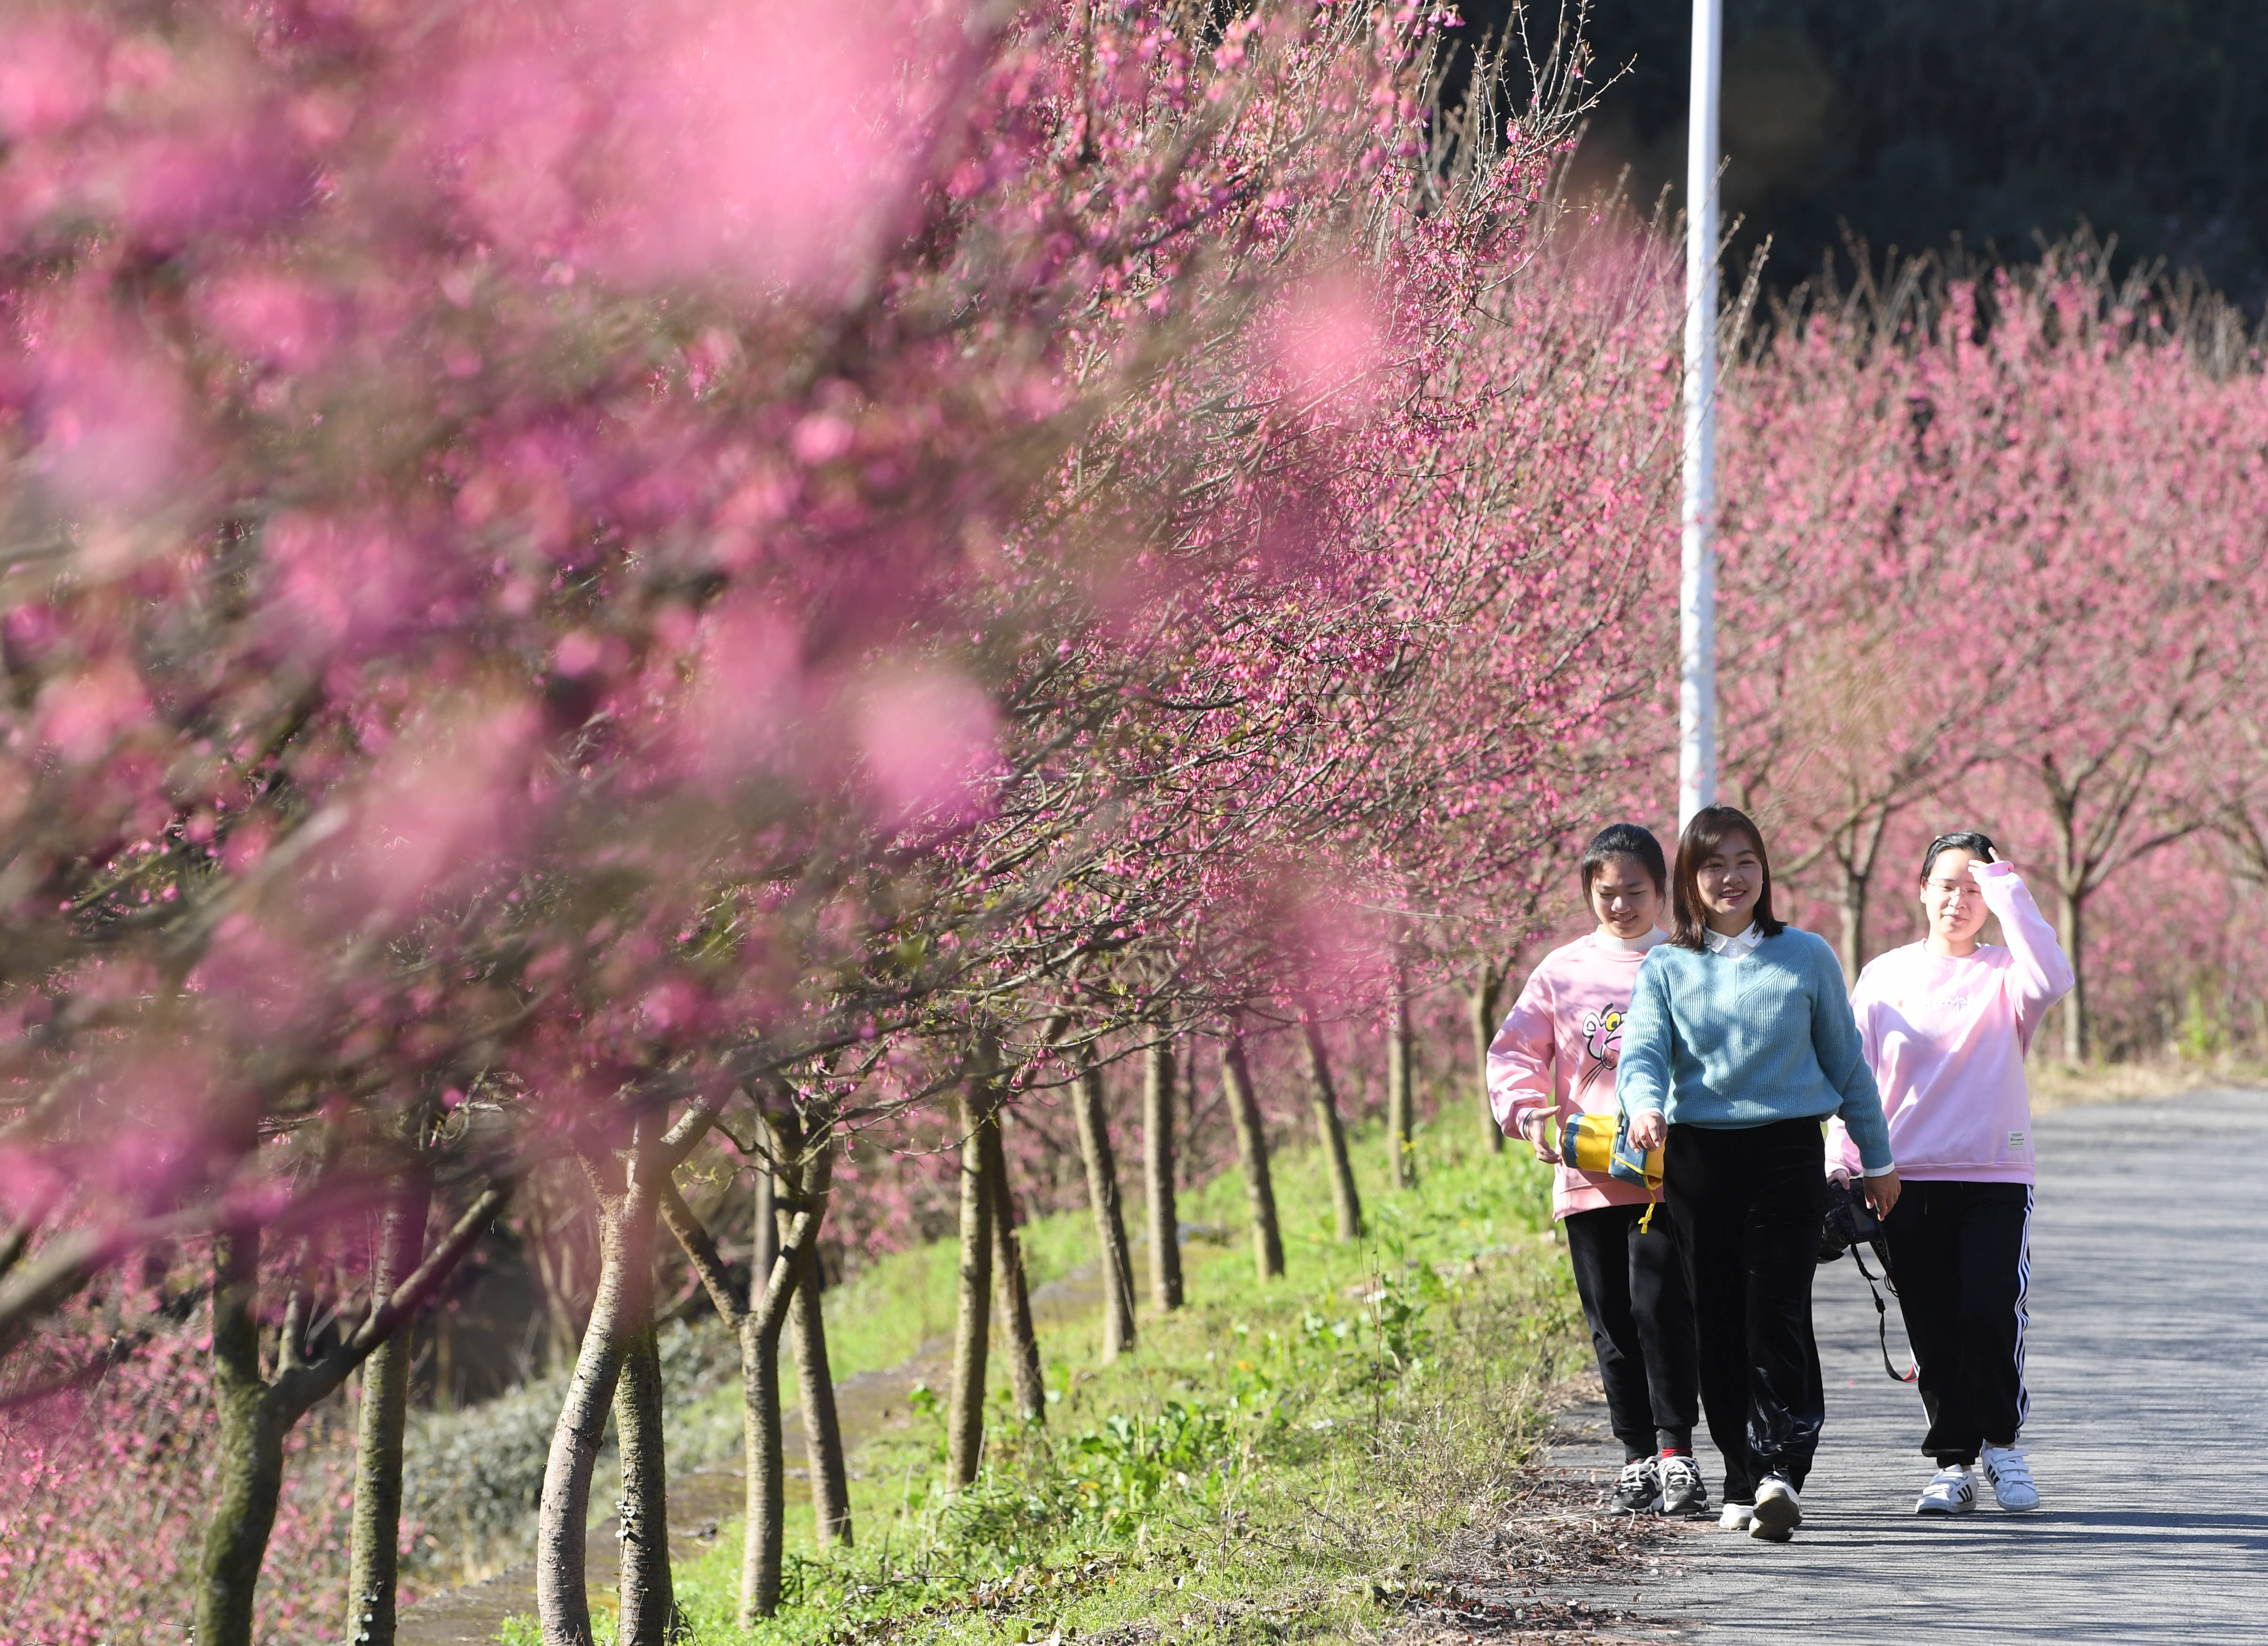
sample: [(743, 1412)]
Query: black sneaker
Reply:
[(1684, 1493), (1638, 1492)]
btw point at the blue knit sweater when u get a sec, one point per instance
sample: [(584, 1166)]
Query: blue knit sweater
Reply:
[(1723, 1043)]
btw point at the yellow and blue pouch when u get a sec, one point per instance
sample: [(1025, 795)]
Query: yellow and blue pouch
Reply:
[(1601, 1143)]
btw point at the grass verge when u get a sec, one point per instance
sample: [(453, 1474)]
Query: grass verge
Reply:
[(1272, 1463), (2057, 1084)]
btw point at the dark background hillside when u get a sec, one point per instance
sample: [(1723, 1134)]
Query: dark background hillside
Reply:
[(1916, 121)]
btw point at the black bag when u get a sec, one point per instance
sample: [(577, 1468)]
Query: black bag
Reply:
[(1850, 1224)]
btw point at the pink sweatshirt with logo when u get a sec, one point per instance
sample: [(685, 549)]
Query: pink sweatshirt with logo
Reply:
[(1946, 1038), (1557, 1051)]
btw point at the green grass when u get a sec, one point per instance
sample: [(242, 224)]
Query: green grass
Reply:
[(1265, 1459), (883, 1317)]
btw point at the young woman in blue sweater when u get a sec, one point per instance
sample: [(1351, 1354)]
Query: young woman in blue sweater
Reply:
[(1738, 1045)]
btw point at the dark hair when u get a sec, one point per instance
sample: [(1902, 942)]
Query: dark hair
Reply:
[(1625, 840), (1702, 836), (1973, 841)]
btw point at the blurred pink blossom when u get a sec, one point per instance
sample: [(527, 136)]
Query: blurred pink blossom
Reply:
[(257, 976), (1327, 339), (742, 706), (929, 741), (81, 716), (443, 807), (347, 584), (271, 317), (109, 415), (50, 75), (662, 138), (762, 140)]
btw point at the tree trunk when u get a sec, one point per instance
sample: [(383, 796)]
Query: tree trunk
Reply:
[(2071, 931), (806, 1324), (1857, 864), (973, 1323), (1187, 1162), (374, 1543), (1851, 947), (765, 1505), (623, 1307), (1485, 996), (1008, 1279), (251, 1450), (757, 1321), (255, 1414), (1110, 1220), (648, 1613), (1252, 1153), (1401, 1098), (1346, 1204), (763, 1228), (1157, 1174)]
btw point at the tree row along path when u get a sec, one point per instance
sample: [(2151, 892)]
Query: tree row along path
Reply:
[(2149, 1431), (704, 1503)]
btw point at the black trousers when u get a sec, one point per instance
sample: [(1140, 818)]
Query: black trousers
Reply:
[(1632, 1284), (1961, 1254), (1749, 1205)]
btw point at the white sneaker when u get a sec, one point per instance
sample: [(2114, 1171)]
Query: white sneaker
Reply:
[(1778, 1511), (1950, 1491), (1737, 1517), (2012, 1478)]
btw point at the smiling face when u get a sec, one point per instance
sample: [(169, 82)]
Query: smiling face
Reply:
[(1952, 901), (1729, 880), (1625, 898)]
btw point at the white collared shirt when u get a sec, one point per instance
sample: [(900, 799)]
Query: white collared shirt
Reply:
[(1737, 947)]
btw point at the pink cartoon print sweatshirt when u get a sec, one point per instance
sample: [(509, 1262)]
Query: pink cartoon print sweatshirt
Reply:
[(1946, 1038), (1558, 1050)]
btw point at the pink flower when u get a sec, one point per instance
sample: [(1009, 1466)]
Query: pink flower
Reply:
[(83, 716), (110, 418), (741, 715), (1327, 339), (271, 317), (50, 75), (929, 741)]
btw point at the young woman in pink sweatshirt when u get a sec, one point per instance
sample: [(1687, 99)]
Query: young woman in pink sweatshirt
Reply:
[(1946, 1023), (1555, 1058)]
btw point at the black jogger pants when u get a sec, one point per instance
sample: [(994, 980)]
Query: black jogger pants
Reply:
[(1749, 1205), (1632, 1284), (1961, 1256)]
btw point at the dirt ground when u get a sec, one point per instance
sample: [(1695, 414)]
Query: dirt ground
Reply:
[(1555, 1569)]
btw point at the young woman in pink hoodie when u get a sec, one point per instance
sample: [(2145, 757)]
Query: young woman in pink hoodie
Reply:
[(1946, 1023), (1555, 1058)]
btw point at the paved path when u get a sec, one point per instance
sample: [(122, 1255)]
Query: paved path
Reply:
[(2148, 1367)]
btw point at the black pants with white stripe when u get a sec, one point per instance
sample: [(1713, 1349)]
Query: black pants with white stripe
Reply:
[(1961, 1254)]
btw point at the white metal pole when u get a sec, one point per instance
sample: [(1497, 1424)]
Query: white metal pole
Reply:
[(1697, 602)]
